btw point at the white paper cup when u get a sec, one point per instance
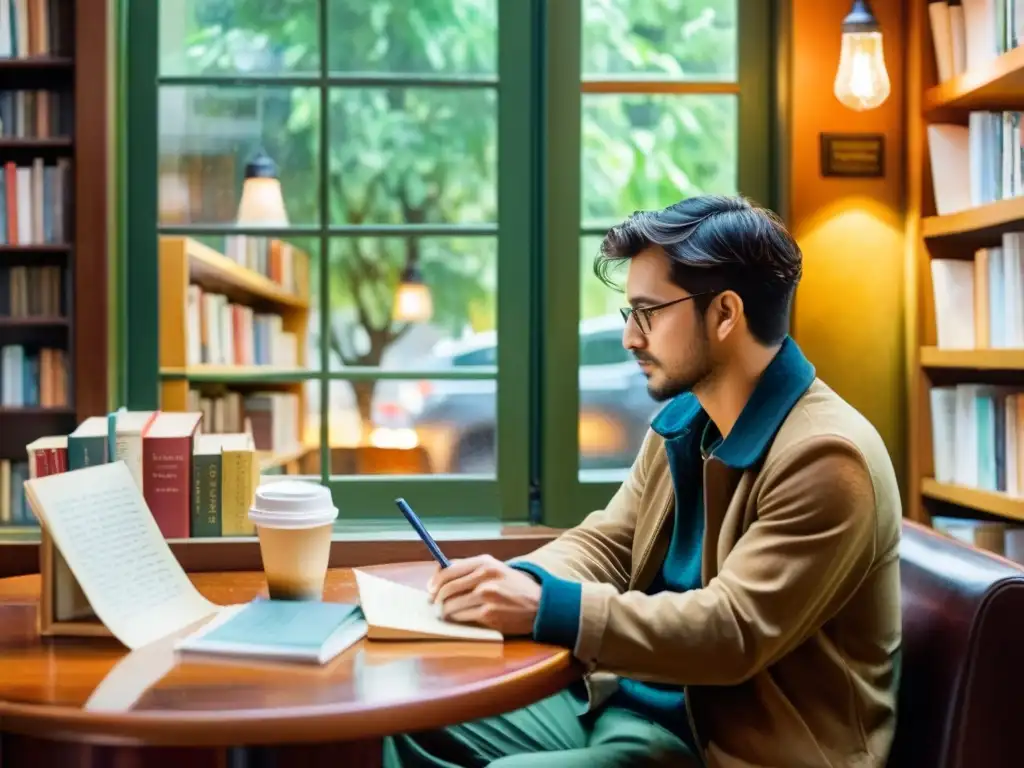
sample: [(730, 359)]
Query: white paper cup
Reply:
[(294, 520)]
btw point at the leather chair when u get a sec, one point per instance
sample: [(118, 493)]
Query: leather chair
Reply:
[(961, 702)]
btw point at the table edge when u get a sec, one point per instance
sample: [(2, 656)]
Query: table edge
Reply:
[(291, 725)]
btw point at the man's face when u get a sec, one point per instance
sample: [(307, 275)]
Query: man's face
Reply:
[(672, 345)]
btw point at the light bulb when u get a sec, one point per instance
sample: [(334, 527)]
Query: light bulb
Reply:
[(262, 203), (862, 81)]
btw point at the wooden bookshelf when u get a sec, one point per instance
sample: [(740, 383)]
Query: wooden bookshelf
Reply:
[(186, 261), (996, 86), (81, 66)]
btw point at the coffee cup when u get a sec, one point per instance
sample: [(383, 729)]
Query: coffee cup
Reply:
[(294, 521)]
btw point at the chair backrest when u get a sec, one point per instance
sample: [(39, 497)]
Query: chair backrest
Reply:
[(961, 697)]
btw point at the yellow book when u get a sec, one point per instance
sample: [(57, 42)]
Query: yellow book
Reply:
[(240, 475)]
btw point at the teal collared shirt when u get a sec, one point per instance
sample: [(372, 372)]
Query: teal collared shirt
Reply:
[(690, 436)]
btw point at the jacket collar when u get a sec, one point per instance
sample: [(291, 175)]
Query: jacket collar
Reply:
[(783, 382)]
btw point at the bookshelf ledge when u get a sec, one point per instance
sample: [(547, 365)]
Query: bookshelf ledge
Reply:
[(977, 227), (974, 359), (992, 502), (998, 85), (227, 374)]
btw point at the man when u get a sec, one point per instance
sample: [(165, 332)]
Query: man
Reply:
[(737, 602)]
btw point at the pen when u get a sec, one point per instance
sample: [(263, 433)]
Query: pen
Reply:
[(414, 521)]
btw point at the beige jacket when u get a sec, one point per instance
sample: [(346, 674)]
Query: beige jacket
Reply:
[(789, 654)]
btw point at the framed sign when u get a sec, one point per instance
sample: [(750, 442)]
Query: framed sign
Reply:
[(853, 155)]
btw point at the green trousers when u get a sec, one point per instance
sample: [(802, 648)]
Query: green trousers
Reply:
[(548, 733)]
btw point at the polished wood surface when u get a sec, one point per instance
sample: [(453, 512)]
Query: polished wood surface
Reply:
[(93, 690)]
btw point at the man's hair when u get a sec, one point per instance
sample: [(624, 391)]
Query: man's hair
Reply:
[(717, 243)]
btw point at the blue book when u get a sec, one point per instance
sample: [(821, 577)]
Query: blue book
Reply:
[(300, 630)]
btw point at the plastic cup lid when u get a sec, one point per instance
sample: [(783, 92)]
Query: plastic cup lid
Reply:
[(292, 504)]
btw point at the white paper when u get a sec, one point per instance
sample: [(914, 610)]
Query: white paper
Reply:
[(99, 521), (395, 611)]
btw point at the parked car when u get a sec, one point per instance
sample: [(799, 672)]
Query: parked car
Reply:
[(455, 420)]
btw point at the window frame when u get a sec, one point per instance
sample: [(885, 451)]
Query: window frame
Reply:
[(506, 496), (566, 498), (539, 130)]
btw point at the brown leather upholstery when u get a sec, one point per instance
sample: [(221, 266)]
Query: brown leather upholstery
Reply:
[(961, 701)]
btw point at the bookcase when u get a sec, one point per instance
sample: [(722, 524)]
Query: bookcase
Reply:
[(965, 267), (55, 198), (233, 340)]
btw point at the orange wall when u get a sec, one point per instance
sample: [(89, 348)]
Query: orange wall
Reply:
[(849, 308)]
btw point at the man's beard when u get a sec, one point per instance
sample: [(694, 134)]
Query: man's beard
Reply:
[(673, 385)]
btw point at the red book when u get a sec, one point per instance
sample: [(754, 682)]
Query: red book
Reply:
[(167, 470), (47, 456)]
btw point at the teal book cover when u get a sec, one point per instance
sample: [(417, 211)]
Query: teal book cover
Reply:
[(300, 630)]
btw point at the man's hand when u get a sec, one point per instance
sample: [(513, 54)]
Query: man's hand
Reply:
[(483, 590)]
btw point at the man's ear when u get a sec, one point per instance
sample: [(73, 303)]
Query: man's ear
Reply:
[(727, 314)]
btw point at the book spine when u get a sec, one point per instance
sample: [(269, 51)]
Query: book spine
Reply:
[(239, 476), (206, 501), (86, 451), (166, 483), (128, 448)]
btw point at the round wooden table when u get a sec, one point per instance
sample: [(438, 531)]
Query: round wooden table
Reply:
[(88, 702)]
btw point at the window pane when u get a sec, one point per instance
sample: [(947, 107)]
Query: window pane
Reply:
[(207, 135), (212, 37), (460, 275), (668, 39), (413, 155), (648, 151), (414, 427), (615, 409), (414, 36)]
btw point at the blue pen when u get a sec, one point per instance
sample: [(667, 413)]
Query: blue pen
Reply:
[(414, 521)]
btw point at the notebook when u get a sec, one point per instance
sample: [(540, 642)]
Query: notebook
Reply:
[(395, 611), (306, 631)]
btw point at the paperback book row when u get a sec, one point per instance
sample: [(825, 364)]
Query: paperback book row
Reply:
[(977, 163), (978, 437), (35, 202), (14, 510), (36, 114), (1002, 538), (967, 34), (33, 28), (31, 292), (272, 418), (194, 484), (33, 377), (224, 333), (275, 259), (979, 301)]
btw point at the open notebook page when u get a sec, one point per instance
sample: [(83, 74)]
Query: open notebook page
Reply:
[(99, 521), (394, 611)]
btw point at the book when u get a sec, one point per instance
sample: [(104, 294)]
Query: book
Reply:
[(298, 630), (396, 611)]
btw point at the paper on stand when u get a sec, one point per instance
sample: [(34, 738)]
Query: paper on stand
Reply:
[(100, 522), (394, 611)]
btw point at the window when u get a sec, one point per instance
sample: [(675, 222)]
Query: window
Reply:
[(447, 138)]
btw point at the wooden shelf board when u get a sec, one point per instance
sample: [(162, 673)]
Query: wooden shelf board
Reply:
[(36, 62), (977, 227), (991, 502), (41, 248), (237, 373), (977, 359), (29, 143), (212, 269), (33, 411), (32, 322), (998, 85)]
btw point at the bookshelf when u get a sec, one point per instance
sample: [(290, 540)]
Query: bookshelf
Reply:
[(43, 80), (267, 320)]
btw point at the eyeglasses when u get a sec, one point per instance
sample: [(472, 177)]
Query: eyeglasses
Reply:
[(642, 315)]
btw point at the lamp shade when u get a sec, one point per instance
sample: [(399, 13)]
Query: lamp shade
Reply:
[(413, 302), (262, 203)]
